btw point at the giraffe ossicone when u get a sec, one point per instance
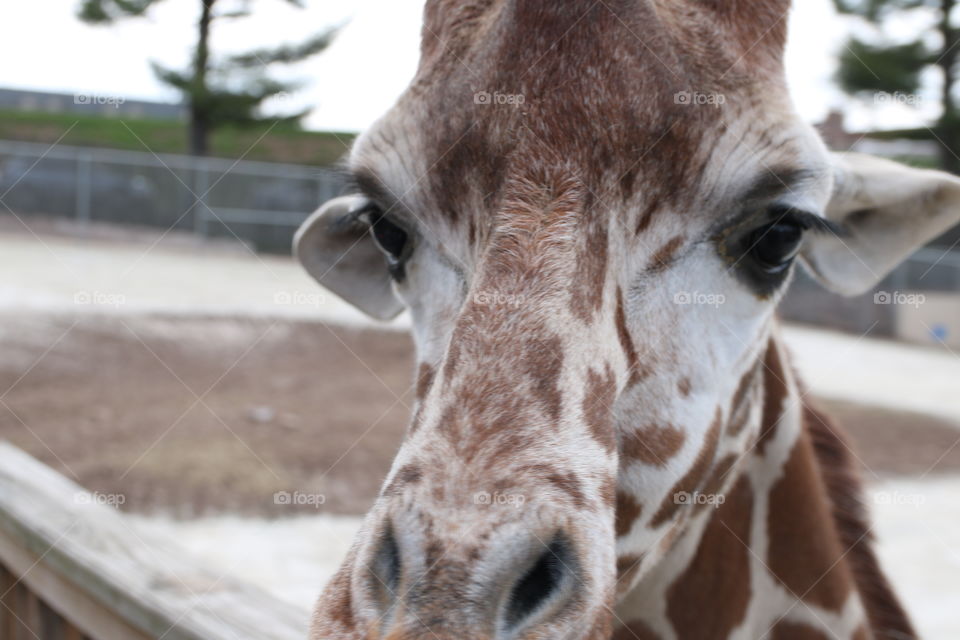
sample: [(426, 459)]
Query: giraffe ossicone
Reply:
[(608, 439)]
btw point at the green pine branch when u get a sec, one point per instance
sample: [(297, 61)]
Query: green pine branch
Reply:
[(107, 11), (286, 54), (866, 67)]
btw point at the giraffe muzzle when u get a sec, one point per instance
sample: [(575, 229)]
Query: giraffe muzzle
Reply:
[(531, 588)]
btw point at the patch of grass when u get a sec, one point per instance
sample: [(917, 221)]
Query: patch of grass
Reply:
[(281, 143), (919, 133)]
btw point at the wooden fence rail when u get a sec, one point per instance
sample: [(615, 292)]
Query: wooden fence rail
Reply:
[(74, 568)]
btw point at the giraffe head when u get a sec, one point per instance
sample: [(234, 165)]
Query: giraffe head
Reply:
[(590, 210)]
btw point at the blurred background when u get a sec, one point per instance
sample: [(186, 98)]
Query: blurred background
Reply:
[(162, 350)]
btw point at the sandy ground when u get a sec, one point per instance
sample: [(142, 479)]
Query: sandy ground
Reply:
[(202, 415), (201, 382), (50, 269), (878, 373)]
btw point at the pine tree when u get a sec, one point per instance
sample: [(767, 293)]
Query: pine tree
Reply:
[(882, 65), (217, 92)]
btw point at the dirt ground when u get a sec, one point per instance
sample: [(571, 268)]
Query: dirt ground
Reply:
[(201, 415), (195, 415)]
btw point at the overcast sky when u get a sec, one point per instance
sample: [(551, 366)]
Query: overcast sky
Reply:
[(43, 46)]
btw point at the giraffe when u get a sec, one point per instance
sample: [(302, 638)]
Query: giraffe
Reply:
[(590, 210)]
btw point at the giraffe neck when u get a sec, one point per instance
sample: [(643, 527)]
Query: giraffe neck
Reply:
[(787, 554)]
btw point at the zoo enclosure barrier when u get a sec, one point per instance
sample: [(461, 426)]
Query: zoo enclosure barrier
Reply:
[(260, 203), (72, 567)]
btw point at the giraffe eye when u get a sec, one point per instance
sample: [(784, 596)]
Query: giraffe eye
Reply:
[(774, 247), (391, 239), (764, 251)]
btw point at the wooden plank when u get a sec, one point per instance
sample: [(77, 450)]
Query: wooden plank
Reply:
[(71, 602), (106, 576), (22, 630), (45, 623), (32, 615), (7, 582), (70, 632), (52, 624)]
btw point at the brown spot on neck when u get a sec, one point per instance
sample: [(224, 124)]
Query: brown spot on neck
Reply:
[(775, 393), (652, 445), (718, 477), (786, 630), (628, 510), (684, 386), (805, 554), (740, 405), (720, 566), (691, 480)]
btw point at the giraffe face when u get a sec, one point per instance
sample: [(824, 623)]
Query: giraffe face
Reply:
[(590, 210), (591, 238), (581, 360)]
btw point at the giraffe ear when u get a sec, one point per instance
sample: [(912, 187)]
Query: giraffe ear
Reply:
[(335, 247), (887, 211)]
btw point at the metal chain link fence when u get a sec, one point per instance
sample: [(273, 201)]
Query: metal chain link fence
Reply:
[(260, 203)]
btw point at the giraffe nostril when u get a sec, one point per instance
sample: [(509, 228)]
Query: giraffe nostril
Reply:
[(385, 567), (541, 582)]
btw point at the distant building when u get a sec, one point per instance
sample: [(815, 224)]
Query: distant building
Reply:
[(89, 103), (838, 138), (834, 134)]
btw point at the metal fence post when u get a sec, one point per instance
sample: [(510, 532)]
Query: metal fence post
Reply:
[(200, 186), (321, 190), (84, 187), (130, 187)]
